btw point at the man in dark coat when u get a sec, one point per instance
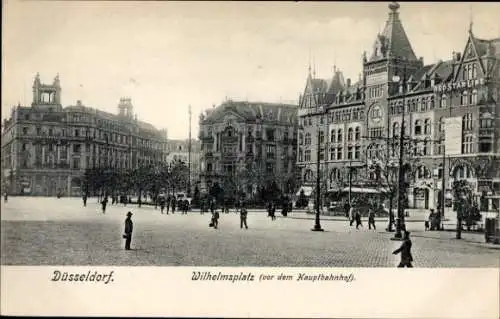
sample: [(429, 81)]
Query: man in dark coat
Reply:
[(405, 250), (173, 203), (243, 216), (371, 219), (128, 231), (104, 202), (358, 219), (84, 200)]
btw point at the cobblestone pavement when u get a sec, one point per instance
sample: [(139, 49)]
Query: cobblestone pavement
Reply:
[(50, 231)]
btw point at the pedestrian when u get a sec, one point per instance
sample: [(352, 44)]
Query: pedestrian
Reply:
[(243, 217), (212, 206), (5, 197), (167, 204), (128, 230), (347, 208), (215, 219), (186, 206), (173, 205), (358, 219), (84, 200), (371, 219), (162, 204), (104, 202), (352, 214), (405, 250)]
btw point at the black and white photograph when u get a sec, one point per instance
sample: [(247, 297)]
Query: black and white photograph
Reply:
[(240, 134)]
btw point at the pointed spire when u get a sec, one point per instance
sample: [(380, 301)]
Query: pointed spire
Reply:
[(393, 41), (471, 19), (314, 67)]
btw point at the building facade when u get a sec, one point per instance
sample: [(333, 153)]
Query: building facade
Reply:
[(450, 111), (178, 150), (245, 145), (47, 147)]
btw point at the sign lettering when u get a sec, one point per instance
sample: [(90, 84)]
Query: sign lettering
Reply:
[(453, 86)]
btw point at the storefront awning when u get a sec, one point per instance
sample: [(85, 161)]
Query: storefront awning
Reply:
[(307, 190), (365, 190)]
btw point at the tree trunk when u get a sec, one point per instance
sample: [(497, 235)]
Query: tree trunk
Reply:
[(139, 198), (459, 228), (391, 215)]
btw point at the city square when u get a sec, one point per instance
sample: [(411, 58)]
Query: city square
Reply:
[(51, 231)]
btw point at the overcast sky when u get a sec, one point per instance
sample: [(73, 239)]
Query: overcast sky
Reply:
[(199, 53)]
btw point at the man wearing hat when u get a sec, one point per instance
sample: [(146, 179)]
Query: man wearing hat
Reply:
[(405, 250), (128, 230)]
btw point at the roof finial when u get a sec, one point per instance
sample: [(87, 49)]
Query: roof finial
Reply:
[(314, 67), (394, 6), (309, 67), (471, 20)]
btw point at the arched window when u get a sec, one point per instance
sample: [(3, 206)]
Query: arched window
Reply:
[(339, 136), (473, 98), (308, 138), (395, 129), (469, 72), (465, 98), (349, 134), (357, 133), (474, 71), (332, 136), (427, 127), (430, 103), (444, 101), (418, 127)]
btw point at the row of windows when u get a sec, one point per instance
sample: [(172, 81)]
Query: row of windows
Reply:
[(354, 114), (427, 104), (336, 136), (93, 133), (336, 153), (376, 91)]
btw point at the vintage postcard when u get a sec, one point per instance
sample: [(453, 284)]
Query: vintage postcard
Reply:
[(241, 159)]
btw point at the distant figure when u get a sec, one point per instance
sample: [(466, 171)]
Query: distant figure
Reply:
[(429, 220), (84, 200), (162, 204), (405, 250), (167, 204), (215, 220), (352, 214), (371, 219), (173, 205), (358, 219), (5, 197), (243, 217), (104, 202), (186, 206), (128, 231), (212, 206), (347, 208)]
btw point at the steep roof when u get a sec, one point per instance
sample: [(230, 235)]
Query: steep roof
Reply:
[(393, 41)]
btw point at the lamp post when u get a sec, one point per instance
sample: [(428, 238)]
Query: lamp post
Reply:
[(317, 224), (401, 183)]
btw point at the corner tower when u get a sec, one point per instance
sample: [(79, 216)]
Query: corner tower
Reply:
[(47, 95), (392, 54)]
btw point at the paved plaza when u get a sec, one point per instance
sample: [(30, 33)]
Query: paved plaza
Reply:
[(51, 231)]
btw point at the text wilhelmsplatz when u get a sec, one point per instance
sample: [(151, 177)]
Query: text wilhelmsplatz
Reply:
[(234, 277)]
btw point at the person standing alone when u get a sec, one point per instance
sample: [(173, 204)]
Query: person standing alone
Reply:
[(128, 230), (405, 250), (243, 216), (371, 219)]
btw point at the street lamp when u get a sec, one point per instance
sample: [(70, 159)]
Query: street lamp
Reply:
[(317, 225), (401, 184)]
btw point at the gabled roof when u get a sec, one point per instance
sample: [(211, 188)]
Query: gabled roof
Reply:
[(393, 40)]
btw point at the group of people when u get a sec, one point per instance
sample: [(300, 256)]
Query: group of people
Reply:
[(170, 202), (354, 215), (214, 221)]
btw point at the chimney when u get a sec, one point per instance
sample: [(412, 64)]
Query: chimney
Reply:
[(348, 81), (458, 56), (79, 103)]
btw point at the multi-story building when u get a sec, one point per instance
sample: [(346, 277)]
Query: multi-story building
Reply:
[(46, 147), (178, 150), (245, 145), (450, 117)]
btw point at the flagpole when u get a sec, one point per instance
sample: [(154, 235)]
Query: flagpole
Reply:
[(189, 154)]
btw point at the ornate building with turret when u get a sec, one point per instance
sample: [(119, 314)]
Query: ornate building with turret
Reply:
[(47, 147), (247, 145), (450, 111)]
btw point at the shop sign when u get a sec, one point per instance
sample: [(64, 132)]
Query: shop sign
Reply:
[(453, 86)]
